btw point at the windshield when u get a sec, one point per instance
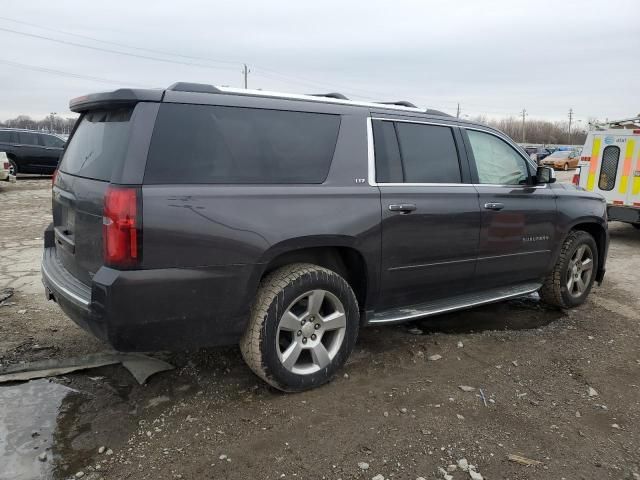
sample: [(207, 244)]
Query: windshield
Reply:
[(562, 154)]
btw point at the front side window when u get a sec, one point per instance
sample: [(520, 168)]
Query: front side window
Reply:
[(52, 141), (429, 153), (214, 144), (496, 161)]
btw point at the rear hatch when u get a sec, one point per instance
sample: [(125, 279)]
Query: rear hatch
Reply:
[(98, 144)]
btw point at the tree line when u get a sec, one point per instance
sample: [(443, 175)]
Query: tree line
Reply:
[(538, 131), (51, 123), (535, 131)]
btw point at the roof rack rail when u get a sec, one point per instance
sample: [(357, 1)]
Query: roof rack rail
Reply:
[(193, 87), (401, 103), (336, 95)]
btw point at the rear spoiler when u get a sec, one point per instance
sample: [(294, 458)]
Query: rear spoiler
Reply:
[(117, 98)]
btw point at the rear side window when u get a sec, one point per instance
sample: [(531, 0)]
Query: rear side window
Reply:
[(99, 142), (609, 168), (388, 165), (429, 153), (213, 144), (28, 138)]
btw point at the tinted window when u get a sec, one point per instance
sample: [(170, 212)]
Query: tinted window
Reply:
[(52, 141), (100, 140), (211, 144), (428, 153), (609, 168), (497, 163), (28, 138), (387, 153), (8, 137)]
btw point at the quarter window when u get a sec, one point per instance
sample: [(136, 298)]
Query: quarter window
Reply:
[(609, 168), (215, 144), (496, 161)]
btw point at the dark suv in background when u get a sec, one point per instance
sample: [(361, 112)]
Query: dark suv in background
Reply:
[(198, 215), (31, 151)]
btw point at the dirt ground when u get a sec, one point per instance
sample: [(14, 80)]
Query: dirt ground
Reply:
[(561, 388)]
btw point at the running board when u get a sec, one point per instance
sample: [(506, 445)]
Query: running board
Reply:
[(460, 302)]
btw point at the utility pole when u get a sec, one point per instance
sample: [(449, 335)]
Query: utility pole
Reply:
[(458, 112), (245, 72), (53, 116), (524, 114), (570, 118)]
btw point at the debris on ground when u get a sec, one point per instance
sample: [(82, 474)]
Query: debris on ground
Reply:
[(435, 357), (592, 392), (363, 465), (466, 388), (522, 460), (5, 294), (140, 366)]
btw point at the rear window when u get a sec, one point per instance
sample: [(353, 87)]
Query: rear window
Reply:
[(213, 144), (99, 142)]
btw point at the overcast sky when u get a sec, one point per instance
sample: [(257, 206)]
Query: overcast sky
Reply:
[(495, 57)]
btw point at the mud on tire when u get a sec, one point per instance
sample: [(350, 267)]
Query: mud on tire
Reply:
[(280, 293)]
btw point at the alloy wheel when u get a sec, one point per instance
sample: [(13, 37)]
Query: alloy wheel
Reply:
[(311, 332), (579, 271)]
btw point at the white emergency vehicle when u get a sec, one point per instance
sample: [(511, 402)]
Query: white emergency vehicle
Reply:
[(610, 166)]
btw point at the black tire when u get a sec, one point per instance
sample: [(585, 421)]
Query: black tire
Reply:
[(554, 290), (13, 166), (636, 225), (260, 344)]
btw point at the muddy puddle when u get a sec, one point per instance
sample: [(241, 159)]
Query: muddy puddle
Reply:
[(30, 418)]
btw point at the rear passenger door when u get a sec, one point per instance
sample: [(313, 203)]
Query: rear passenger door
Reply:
[(518, 218), (430, 214)]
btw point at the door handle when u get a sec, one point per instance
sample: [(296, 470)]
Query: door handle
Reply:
[(402, 207), (494, 206)]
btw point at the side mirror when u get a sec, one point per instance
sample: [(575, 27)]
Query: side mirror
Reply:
[(545, 175)]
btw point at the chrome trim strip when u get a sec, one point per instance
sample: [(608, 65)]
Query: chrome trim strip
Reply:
[(62, 289), (398, 120), (434, 264), (371, 156), (462, 306), (465, 260)]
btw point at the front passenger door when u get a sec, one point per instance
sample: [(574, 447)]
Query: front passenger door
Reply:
[(517, 233)]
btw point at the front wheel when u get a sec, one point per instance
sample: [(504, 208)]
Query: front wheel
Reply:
[(303, 326), (573, 275)]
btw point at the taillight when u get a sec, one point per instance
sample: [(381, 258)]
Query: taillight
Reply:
[(6, 165), (53, 177), (121, 227), (576, 179)]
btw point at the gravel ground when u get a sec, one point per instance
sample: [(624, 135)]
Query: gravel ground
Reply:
[(561, 388)]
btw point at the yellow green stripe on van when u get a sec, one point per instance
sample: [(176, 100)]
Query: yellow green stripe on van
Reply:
[(626, 166), (636, 180), (593, 165)]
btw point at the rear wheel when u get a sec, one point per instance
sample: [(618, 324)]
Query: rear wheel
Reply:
[(573, 275), (13, 167), (303, 326)]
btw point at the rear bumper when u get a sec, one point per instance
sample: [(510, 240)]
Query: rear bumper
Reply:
[(162, 309), (623, 213)]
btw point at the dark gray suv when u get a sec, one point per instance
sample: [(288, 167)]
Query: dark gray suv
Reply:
[(198, 216), (31, 151)]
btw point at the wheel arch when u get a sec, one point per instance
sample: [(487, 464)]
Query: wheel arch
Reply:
[(339, 254), (600, 235)]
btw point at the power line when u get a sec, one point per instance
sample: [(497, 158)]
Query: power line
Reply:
[(68, 74), (108, 50)]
